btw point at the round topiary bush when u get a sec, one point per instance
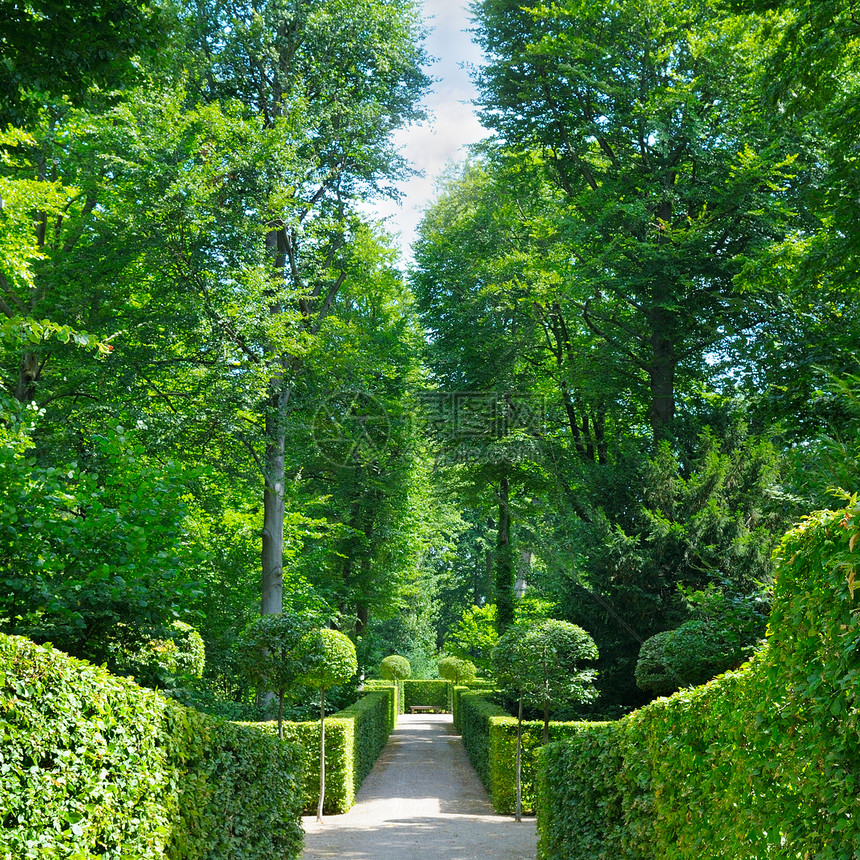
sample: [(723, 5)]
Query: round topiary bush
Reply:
[(457, 671), (688, 656), (394, 668)]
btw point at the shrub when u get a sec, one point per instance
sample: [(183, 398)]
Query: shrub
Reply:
[(763, 762), (394, 704), (394, 668), (273, 654), (541, 663), (94, 765), (456, 670), (355, 737), (329, 658), (692, 654), (490, 737)]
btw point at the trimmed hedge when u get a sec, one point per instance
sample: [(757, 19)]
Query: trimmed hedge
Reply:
[(432, 693), (763, 762), (395, 701), (490, 737), (93, 765), (354, 738)]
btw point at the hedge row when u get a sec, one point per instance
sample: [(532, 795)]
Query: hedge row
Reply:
[(433, 693), (490, 737), (395, 701), (354, 738), (760, 763), (92, 765)]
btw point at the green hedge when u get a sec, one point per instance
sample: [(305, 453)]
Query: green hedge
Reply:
[(760, 763), (354, 738), (433, 693), (395, 700), (92, 765), (490, 737)]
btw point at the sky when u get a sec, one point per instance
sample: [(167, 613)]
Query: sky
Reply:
[(452, 124)]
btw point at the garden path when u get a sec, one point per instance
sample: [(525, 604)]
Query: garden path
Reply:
[(422, 799)]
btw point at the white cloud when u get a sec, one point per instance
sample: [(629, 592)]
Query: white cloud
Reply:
[(453, 125)]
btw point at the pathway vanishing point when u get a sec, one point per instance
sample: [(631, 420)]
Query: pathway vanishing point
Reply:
[(422, 799)]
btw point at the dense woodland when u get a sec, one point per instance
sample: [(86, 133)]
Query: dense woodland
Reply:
[(621, 365)]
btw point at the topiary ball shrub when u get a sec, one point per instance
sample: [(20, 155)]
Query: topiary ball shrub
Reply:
[(457, 671), (688, 656), (394, 668)]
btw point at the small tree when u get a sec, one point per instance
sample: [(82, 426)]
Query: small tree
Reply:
[(329, 659), (542, 663), (395, 668), (457, 671), (273, 655)]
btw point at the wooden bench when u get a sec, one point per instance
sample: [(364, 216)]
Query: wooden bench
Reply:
[(424, 709)]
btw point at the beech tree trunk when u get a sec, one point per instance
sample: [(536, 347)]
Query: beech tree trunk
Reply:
[(504, 585), (661, 373), (274, 474), (272, 557), (28, 373)]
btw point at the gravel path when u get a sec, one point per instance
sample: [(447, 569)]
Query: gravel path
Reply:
[(422, 799)]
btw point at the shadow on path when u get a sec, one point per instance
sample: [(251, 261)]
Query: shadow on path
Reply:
[(421, 794)]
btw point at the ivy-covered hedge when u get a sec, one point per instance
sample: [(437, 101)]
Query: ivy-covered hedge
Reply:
[(431, 693), (490, 737), (763, 762), (354, 738), (93, 765)]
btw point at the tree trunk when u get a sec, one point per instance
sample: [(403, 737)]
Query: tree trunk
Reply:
[(504, 562), (322, 756), (661, 371), (572, 422), (274, 475), (273, 510), (546, 724), (599, 422), (488, 568), (28, 373)]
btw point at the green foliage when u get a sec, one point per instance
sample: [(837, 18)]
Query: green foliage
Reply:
[(172, 658), (580, 797), (394, 668), (94, 765), (667, 527), (330, 658), (95, 558), (422, 692), (354, 738), (541, 663), (761, 762), (59, 48), (274, 653), (721, 639), (457, 671), (474, 636), (395, 704), (490, 736)]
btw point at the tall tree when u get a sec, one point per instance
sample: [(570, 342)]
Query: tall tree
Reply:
[(649, 119), (353, 74)]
